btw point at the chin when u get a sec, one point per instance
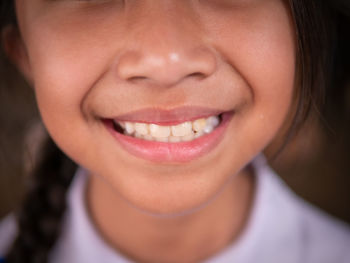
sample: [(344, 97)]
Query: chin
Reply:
[(170, 204)]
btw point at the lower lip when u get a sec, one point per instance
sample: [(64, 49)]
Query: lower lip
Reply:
[(172, 152)]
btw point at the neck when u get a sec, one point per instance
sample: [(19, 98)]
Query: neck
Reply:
[(186, 238)]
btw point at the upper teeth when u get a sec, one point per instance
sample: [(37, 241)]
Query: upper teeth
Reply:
[(185, 131)]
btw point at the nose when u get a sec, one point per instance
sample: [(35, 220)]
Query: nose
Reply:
[(164, 48)]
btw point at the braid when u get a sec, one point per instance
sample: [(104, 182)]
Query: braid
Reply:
[(40, 217)]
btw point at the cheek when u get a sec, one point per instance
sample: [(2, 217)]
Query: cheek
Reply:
[(63, 75), (62, 70), (66, 63), (65, 59), (61, 82), (260, 46)]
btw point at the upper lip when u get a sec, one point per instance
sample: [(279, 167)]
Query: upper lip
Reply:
[(168, 116)]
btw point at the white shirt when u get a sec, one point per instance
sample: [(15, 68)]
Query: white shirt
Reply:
[(282, 228)]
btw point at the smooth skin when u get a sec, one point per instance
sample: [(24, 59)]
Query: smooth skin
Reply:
[(103, 58)]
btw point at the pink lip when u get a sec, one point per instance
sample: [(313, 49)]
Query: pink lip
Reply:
[(168, 117), (172, 152)]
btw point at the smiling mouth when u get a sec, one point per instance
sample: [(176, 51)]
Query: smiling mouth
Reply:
[(181, 132), (169, 136)]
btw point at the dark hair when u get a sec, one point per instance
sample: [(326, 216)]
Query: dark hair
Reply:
[(39, 219), (41, 214)]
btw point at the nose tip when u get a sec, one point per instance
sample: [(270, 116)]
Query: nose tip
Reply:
[(165, 69)]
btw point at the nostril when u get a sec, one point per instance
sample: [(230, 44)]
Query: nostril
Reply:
[(136, 78), (197, 75)]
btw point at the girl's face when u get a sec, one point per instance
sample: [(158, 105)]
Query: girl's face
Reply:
[(162, 62)]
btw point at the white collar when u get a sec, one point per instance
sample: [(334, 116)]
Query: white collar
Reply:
[(80, 241)]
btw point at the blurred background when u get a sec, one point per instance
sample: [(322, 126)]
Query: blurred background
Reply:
[(315, 164)]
